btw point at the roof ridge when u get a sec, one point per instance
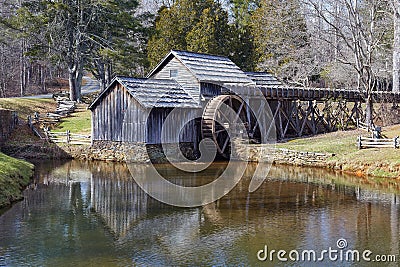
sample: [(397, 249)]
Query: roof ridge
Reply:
[(199, 53)]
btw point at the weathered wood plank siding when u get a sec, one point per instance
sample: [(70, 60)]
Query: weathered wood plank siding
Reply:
[(119, 117), (210, 89), (184, 77), (157, 118)]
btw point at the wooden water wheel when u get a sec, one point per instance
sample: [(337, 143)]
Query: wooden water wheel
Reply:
[(215, 122)]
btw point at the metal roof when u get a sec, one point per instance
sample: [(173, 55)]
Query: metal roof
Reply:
[(152, 93), (264, 79), (207, 68)]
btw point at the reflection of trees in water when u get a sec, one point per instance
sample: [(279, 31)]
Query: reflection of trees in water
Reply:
[(305, 200), (364, 189), (120, 202)]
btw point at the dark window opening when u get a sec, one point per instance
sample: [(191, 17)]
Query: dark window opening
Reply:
[(173, 73)]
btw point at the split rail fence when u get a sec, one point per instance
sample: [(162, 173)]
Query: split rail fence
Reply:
[(68, 138), (364, 142), (64, 108), (365, 126)]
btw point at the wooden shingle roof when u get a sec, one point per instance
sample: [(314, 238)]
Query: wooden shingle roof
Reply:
[(207, 68), (154, 93), (264, 79)]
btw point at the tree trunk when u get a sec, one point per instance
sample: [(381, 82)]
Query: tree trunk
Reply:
[(108, 74), (369, 111), (43, 79), (79, 76), (22, 74), (72, 84), (396, 47), (101, 75), (75, 75)]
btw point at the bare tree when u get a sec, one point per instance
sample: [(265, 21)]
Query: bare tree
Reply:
[(396, 46), (357, 33)]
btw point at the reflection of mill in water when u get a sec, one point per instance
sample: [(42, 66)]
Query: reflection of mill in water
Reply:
[(108, 193), (117, 199), (121, 203)]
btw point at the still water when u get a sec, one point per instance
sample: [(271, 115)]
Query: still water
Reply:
[(94, 214)]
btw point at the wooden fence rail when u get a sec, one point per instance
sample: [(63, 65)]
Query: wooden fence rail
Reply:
[(364, 142), (68, 138), (365, 126), (64, 108), (31, 125)]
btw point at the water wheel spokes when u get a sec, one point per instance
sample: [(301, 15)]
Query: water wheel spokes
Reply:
[(217, 120)]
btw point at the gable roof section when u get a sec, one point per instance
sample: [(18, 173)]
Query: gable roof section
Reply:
[(264, 79), (153, 93), (206, 68)]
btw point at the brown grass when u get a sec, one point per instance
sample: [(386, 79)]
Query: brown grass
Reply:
[(384, 162), (25, 106)]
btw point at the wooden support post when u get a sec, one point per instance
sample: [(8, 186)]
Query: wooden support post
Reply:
[(68, 137), (313, 122), (46, 132), (396, 142), (30, 121), (36, 115), (359, 145), (280, 125)]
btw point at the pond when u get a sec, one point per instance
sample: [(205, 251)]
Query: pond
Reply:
[(94, 214)]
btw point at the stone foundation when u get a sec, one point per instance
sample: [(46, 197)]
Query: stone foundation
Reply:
[(8, 121), (268, 153), (142, 153), (124, 151)]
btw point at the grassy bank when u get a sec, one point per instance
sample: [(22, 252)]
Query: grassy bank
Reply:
[(78, 122), (14, 176), (23, 143), (25, 106), (382, 162)]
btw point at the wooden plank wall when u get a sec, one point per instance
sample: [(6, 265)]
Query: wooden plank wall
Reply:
[(156, 120), (185, 78), (119, 117)]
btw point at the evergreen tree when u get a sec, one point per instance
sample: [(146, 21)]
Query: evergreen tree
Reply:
[(211, 34), (199, 26), (242, 45), (281, 38), (79, 33)]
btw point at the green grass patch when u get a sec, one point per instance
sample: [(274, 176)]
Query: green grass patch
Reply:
[(384, 174), (343, 145), (328, 143), (26, 106), (15, 174), (79, 123)]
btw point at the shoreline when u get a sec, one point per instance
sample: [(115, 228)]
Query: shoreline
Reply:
[(15, 176), (335, 151), (19, 174), (284, 156)]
